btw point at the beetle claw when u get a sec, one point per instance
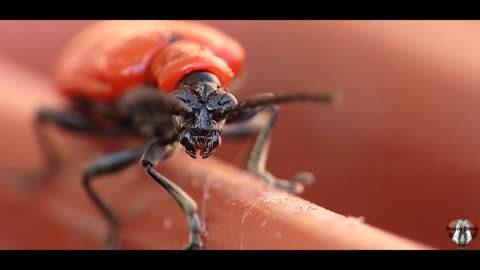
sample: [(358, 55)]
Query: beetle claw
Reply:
[(306, 178)]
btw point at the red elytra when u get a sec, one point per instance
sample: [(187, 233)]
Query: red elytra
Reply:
[(111, 57)]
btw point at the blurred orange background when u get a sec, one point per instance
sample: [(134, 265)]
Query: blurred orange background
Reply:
[(402, 147)]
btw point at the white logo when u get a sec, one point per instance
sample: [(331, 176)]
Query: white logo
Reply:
[(462, 232)]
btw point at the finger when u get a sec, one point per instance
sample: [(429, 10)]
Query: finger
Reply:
[(407, 126), (241, 213)]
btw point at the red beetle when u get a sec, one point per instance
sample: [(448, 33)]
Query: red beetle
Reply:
[(167, 83)]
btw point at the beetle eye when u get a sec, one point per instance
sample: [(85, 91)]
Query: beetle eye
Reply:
[(182, 95), (228, 101), (223, 106), (197, 106)]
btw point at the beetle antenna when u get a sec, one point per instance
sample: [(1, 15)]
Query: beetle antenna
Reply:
[(146, 94), (262, 101)]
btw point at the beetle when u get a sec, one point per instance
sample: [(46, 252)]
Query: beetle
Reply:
[(169, 84)]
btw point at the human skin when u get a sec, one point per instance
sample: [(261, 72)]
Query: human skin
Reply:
[(241, 212), (400, 149)]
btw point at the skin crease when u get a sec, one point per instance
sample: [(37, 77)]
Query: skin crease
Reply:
[(407, 126)]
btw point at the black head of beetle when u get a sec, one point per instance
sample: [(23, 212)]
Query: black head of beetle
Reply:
[(199, 129)]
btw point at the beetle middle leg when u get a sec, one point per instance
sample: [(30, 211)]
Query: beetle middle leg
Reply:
[(67, 119), (109, 163), (244, 124)]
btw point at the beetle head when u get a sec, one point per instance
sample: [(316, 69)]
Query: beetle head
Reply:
[(201, 127)]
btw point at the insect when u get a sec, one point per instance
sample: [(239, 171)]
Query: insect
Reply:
[(168, 84)]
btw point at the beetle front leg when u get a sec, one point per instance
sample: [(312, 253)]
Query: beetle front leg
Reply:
[(244, 124), (155, 153)]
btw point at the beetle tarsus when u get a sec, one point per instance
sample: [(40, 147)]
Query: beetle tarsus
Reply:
[(305, 178), (194, 246), (196, 229), (112, 242), (294, 185)]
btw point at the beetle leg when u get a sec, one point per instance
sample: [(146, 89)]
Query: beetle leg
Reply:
[(109, 163), (157, 151), (249, 108), (66, 119), (258, 155)]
